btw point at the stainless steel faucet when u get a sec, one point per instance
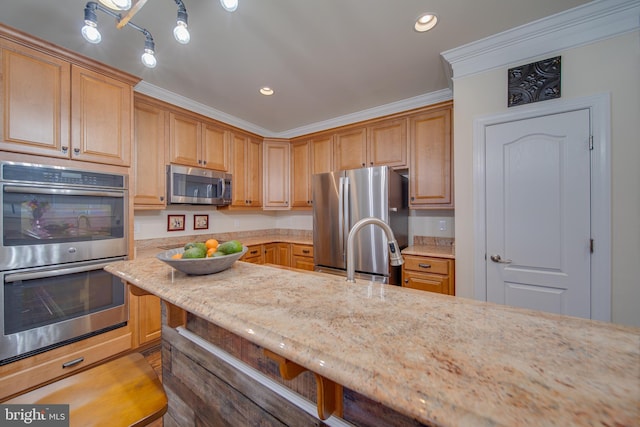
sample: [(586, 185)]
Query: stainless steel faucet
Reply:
[(394, 252)]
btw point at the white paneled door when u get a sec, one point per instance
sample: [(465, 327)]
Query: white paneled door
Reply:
[(538, 219)]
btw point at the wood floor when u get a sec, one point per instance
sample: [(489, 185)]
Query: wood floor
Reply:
[(152, 355)]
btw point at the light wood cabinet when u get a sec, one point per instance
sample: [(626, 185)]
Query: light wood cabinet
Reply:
[(302, 256), (309, 157), (35, 101), (276, 168), (322, 154), (247, 171), (215, 146), (430, 170), (277, 253), (148, 320), (51, 365), (387, 143), (429, 274), (350, 149), (255, 254), (382, 143), (301, 174), (101, 118), (150, 139), (198, 143), (54, 108)]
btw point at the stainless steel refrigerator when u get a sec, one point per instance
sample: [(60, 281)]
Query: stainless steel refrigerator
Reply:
[(340, 199)]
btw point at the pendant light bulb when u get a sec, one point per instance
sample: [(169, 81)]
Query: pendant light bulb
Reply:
[(181, 33), (90, 32), (148, 59), (229, 5)]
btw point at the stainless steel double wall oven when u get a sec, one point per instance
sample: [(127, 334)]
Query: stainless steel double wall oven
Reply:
[(60, 227)]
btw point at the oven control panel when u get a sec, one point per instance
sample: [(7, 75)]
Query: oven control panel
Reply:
[(28, 173)]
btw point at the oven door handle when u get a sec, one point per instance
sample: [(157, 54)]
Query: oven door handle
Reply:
[(66, 192), (16, 277)]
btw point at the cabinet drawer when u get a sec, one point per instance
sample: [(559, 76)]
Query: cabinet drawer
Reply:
[(302, 262), (302, 250), (254, 254), (426, 264), (46, 367), (427, 282)]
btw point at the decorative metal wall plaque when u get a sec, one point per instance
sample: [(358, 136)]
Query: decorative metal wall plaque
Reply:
[(538, 81)]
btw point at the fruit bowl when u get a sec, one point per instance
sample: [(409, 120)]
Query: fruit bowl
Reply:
[(200, 266)]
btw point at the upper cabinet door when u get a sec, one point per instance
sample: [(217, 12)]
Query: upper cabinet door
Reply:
[(184, 140), (149, 156), (387, 144), (322, 154), (35, 103), (276, 174), (301, 174), (101, 118), (350, 150), (430, 184), (215, 147)]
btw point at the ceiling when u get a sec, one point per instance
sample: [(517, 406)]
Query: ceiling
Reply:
[(324, 58)]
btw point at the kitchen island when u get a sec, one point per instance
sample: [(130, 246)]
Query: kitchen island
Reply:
[(437, 359)]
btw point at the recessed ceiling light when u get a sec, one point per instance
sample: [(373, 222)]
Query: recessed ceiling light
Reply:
[(425, 22), (266, 91)]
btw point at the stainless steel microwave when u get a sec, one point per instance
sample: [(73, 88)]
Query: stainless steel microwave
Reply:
[(197, 186)]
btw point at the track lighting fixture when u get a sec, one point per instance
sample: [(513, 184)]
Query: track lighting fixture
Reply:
[(92, 35), (180, 32)]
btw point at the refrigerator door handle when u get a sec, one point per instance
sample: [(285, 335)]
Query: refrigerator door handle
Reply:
[(347, 216), (341, 212)]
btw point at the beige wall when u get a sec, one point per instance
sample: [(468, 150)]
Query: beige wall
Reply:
[(611, 66)]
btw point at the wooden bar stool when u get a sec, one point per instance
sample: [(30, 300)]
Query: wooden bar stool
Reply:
[(123, 392)]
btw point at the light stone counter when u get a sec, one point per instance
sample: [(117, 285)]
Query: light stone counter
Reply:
[(444, 360)]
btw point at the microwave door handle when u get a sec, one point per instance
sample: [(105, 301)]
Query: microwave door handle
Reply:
[(60, 191), (16, 277)]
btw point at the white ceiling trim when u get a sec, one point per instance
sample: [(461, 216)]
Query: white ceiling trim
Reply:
[(191, 105), (380, 111), (598, 20)]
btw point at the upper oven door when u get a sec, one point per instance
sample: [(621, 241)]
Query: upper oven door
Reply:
[(45, 225)]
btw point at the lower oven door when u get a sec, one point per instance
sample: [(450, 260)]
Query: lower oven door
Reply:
[(45, 308)]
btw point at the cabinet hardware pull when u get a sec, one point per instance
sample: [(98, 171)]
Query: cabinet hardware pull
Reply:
[(406, 280), (64, 149), (254, 252), (72, 362), (305, 251), (162, 198), (421, 265), (76, 150)]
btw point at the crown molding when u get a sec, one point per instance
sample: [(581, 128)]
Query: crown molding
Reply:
[(383, 110), (589, 23), (371, 113), (191, 105)]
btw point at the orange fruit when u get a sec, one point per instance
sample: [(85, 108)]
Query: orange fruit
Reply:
[(176, 256), (211, 251), (211, 243)]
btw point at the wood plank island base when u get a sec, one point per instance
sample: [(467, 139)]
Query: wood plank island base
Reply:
[(418, 357)]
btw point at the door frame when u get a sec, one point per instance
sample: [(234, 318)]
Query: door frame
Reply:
[(599, 106)]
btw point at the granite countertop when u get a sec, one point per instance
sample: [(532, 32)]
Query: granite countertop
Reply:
[(438, 251), (444, 360)]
